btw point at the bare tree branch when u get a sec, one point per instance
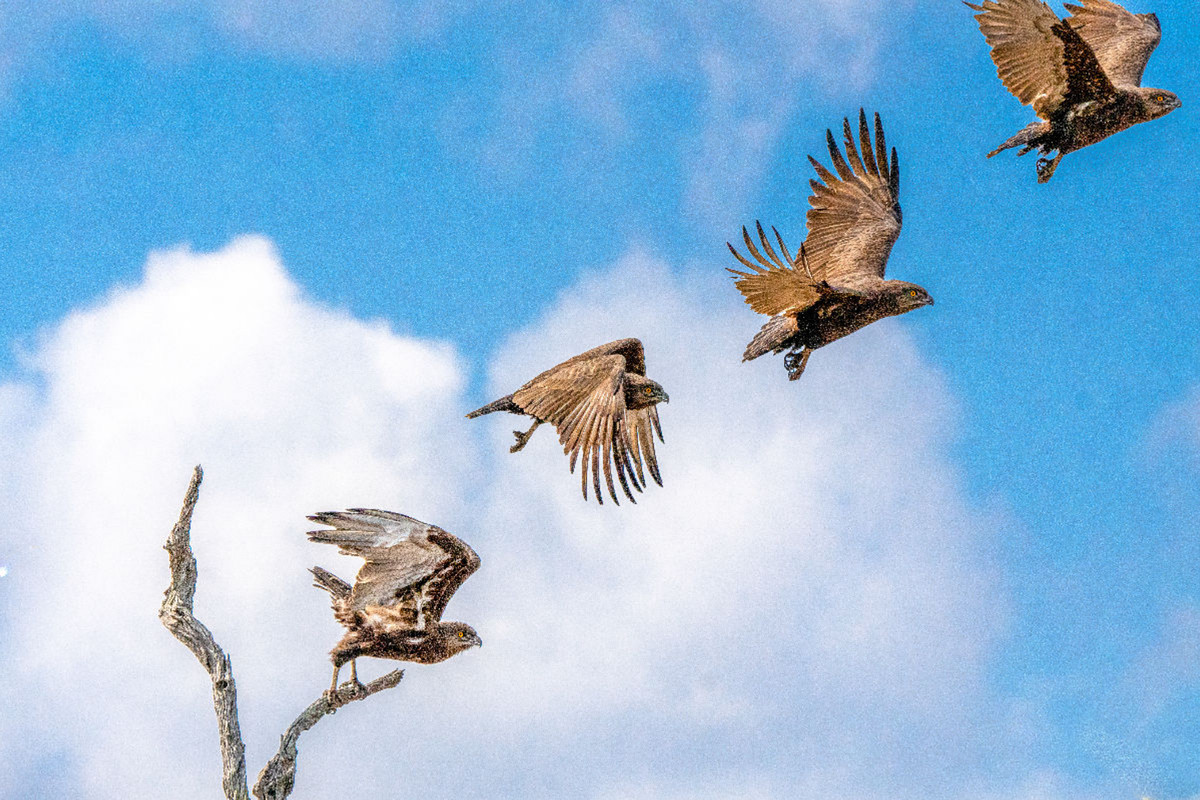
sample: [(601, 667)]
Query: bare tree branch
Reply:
[(278, 777), (176, 615)]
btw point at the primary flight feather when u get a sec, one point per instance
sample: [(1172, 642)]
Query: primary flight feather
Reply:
[(604, 409), (835, 283), (1082, 75), (394, 609)]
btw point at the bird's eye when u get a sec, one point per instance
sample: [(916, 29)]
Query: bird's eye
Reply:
[(912, 293), (462, 634), (649, 390), (1160, 98)]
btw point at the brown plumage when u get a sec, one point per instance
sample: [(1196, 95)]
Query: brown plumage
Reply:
[(835, 284), (603, 407), (1081, 75), (394, 609)]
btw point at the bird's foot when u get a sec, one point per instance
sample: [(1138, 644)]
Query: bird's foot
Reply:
[(523, 438), (1046, 167), (795, 362), (350, 690)]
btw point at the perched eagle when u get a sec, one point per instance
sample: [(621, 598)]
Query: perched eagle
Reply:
[(835, 284), (395, 608), (603, 406), (1082, 75)]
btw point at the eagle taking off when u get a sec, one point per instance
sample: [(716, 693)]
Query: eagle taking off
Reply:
[(603, 407), (1082, 75), (834, 285), (394, 609)]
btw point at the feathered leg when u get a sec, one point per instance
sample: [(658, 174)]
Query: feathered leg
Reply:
[(1046, 167), (522, 438), (795, 362)]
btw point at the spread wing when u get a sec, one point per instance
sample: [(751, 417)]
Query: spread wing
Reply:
[(584, 398), (774, 287), (854, 217), (1027, 53), (630, 349), (1122, 42), (412, 568)]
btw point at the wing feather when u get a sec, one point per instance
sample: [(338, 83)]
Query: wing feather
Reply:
[(770, 287), (1123, 42), (1027, 53), (855, 218), (411, 567)]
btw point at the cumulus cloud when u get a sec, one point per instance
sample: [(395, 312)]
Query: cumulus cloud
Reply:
[(214, 358), (808, 606)]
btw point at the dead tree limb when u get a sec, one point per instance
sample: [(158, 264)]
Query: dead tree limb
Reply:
[(176, 615), (277, 778), (279, 775)]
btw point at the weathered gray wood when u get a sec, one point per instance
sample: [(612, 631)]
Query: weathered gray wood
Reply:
[(278, 777), (176, 615)]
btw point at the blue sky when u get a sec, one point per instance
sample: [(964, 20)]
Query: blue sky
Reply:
[(470, 173)]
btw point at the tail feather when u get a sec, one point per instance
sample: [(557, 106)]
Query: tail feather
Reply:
[(1027, 137), (772, 337), (324, 579), (503, 404)]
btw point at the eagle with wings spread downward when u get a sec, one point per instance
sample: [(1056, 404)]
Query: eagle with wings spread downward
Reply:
[(835, 284), (394, 610), (603, 407), (1082, 75)]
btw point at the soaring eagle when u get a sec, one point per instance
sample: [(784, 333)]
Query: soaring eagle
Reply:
[(834, 285), (603, 407), (1082, 75), (394, 609)]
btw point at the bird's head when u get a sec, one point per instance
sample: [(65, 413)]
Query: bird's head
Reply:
[(641, 392), (1159, 102), (461, 636), (909, 296)]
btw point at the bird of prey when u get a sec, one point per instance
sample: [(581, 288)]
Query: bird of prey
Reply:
[(394, 610), (603, 407), (1082, 75), (834, 285)]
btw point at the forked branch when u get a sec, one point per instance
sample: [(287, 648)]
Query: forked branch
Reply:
[(277, 778)]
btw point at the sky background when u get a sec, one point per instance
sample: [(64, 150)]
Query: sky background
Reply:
[(295, 242)]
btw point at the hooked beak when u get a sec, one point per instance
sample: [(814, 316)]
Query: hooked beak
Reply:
[(666, 399)]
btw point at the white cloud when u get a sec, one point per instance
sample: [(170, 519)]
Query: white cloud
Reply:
[(292, 407), (808, 603), (331, 31), (733, 73)]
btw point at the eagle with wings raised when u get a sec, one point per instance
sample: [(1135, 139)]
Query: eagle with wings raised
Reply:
[(1082, 75), (603, 407), (835, 284), (394, 610)]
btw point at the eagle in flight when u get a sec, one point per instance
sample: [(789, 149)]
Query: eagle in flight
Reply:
[(1082, 75), (835, 284), (603, 407), (394, 610)]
